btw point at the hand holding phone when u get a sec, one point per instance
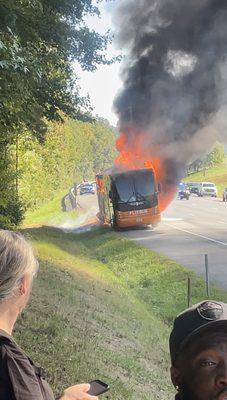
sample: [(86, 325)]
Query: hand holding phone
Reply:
[(77, 392), (97, 387)]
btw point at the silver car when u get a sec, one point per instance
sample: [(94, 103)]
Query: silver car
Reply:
[(207, 189)]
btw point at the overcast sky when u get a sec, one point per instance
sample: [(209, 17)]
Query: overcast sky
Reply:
[(103, 84)]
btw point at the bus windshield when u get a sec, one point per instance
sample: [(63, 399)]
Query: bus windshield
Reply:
[(135, 186)]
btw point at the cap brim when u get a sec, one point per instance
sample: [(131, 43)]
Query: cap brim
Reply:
[(202, 329)]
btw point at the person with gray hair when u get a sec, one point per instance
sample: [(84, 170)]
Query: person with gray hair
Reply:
[(20, 379)]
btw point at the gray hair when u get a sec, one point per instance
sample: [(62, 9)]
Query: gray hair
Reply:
[(16, 259)]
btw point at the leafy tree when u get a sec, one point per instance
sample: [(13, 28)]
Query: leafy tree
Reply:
[(72, 151), (11, 211), (215, 157), (103, 144), (40, 40)]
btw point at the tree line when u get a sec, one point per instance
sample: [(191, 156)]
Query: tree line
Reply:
[(73, 150), (214, 157), (40, 41)]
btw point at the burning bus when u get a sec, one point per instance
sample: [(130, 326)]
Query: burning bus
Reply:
[(128, 198)]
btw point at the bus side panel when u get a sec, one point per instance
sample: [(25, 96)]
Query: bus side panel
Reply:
[(100, 194), (103, 188), (108, 206)]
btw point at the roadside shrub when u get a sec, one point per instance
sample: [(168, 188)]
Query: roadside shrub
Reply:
[(11, 214)]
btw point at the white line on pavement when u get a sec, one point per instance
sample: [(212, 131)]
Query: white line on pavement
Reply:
[(221, 222), (203, 237)]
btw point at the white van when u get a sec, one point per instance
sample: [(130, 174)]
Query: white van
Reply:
[(207, 189)]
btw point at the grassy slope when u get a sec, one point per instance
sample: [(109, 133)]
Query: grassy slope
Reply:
[(217, 175), (86, 323), (50, 213), (101, 308)]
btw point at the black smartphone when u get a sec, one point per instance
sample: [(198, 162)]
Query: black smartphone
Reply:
[(97, 387)]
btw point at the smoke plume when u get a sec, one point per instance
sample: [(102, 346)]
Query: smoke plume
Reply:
[(174, 76)]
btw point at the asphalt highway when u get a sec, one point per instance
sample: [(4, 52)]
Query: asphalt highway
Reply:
[(189, 230)]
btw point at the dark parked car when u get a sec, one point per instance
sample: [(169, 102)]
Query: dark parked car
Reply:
[(224, 196), (87, 188), (193, 187)]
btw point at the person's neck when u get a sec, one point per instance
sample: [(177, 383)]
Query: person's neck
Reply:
[(8, 317)]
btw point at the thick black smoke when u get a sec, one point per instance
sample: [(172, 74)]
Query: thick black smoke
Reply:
[(175, 73)]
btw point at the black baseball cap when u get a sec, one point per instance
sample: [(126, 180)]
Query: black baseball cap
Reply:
[(196, 319)]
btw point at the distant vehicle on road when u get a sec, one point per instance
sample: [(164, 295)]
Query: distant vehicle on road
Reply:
[(183, 191), (87, 188), (193, 187), (207, 189), (224, 196), (93, 184)]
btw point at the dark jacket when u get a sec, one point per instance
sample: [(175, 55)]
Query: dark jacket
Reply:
[(20, 379)]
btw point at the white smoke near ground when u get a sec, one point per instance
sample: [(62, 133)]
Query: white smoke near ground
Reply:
[(174, 75), (84, 221), (81, 222)]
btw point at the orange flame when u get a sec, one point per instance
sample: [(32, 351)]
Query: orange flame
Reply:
[(134, 155)]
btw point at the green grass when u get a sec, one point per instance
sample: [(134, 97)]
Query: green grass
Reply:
[(50, 214), (101, 308), (217, 175)]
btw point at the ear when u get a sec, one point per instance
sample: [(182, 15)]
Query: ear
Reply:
[(24, 285), (175, 376)]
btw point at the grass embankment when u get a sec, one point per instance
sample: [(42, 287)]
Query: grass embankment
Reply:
[(217, 175), (102, 308), (50, 213)]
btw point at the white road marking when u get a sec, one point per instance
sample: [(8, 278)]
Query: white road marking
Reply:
[(203, 237)]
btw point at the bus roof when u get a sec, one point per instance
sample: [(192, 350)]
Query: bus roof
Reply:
[(118, 171)]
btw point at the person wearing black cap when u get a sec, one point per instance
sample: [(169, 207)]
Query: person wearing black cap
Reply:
[(198, 350)]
